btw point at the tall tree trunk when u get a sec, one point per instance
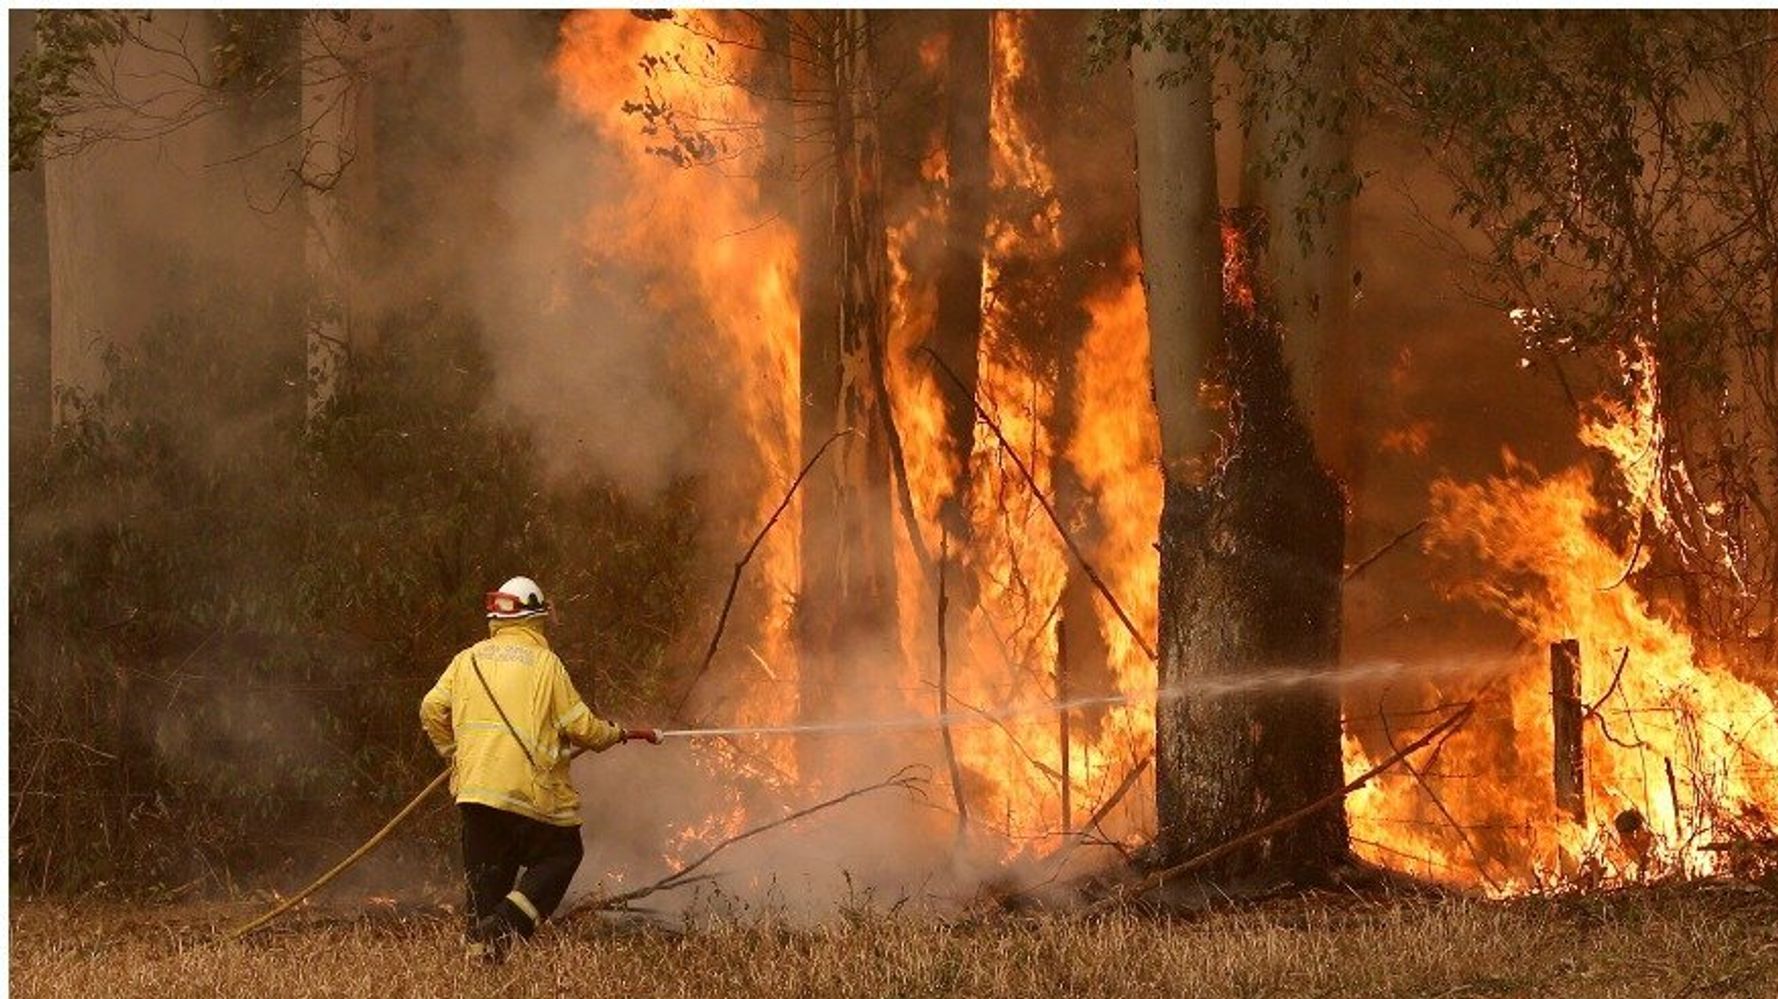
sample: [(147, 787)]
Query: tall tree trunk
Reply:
[(1181, 241), (1073, 126), (1309, 254), (867, 546), (329, 115), (73, 199), (957, 329), (847, 603), (1250, 552), (818, 605), (778, 172)]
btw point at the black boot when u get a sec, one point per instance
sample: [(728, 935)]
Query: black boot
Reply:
[(499, 930)]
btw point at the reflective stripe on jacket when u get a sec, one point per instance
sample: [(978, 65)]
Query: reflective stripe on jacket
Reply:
[(533, 688)]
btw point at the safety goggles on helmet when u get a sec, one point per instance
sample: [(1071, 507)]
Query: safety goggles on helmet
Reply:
[(500, 602)]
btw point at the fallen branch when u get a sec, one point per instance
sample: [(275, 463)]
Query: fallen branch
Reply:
[(1043, 501), (905, 778), (1161, 877), (734, 584)]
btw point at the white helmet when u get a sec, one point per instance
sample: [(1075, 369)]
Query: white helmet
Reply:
[(516, 598)]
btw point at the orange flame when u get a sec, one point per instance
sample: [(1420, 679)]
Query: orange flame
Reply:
[(1654, 701), (709, 247)]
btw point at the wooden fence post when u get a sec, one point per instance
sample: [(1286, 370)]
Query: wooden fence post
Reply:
[(1566, 713)]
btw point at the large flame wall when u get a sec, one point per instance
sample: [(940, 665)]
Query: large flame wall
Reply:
[(1529, 545)]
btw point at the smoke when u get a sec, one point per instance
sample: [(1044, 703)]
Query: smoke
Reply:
[(651, 810), (580, 357)]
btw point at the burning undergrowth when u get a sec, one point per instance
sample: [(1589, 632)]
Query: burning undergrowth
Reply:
[(1679, 756)]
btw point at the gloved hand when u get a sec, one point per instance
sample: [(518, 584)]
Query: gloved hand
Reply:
[(648, 735)]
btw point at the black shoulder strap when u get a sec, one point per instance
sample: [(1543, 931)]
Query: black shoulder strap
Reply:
[(495, 701)]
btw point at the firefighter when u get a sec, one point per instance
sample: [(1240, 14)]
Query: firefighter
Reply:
[(506, 715)]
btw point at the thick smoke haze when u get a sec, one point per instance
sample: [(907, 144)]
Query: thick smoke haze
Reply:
[(493, 191)]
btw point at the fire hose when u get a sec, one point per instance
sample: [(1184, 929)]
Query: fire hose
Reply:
[(649, 735)]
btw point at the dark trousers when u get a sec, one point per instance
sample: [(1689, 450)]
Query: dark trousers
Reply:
[(497, 845)]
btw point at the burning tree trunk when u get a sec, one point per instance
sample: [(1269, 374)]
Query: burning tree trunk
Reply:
[(1250, 581), (957, 328), (1250, 552), (1095, 242), (847, 604)]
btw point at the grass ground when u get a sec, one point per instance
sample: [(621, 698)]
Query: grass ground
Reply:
[(1699, 940)]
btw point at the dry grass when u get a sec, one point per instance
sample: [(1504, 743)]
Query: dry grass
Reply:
[(1694, 941)]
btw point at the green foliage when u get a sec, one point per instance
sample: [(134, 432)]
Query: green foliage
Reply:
[(221, 628), (49, 75)]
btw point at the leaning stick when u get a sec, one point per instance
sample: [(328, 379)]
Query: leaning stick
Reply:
[(1069, 845), (1117, 796), (340, 868), (1364, 563), (1481, 863), (1161, 877), (944, 689), (728, 602), (1043, 501), (903, 778)]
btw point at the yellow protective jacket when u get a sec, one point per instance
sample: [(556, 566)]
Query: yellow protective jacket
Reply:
[(533, 688)]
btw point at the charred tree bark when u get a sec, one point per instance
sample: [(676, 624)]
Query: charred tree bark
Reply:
[(847, 606), (1250, 581), (1251, 547)]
